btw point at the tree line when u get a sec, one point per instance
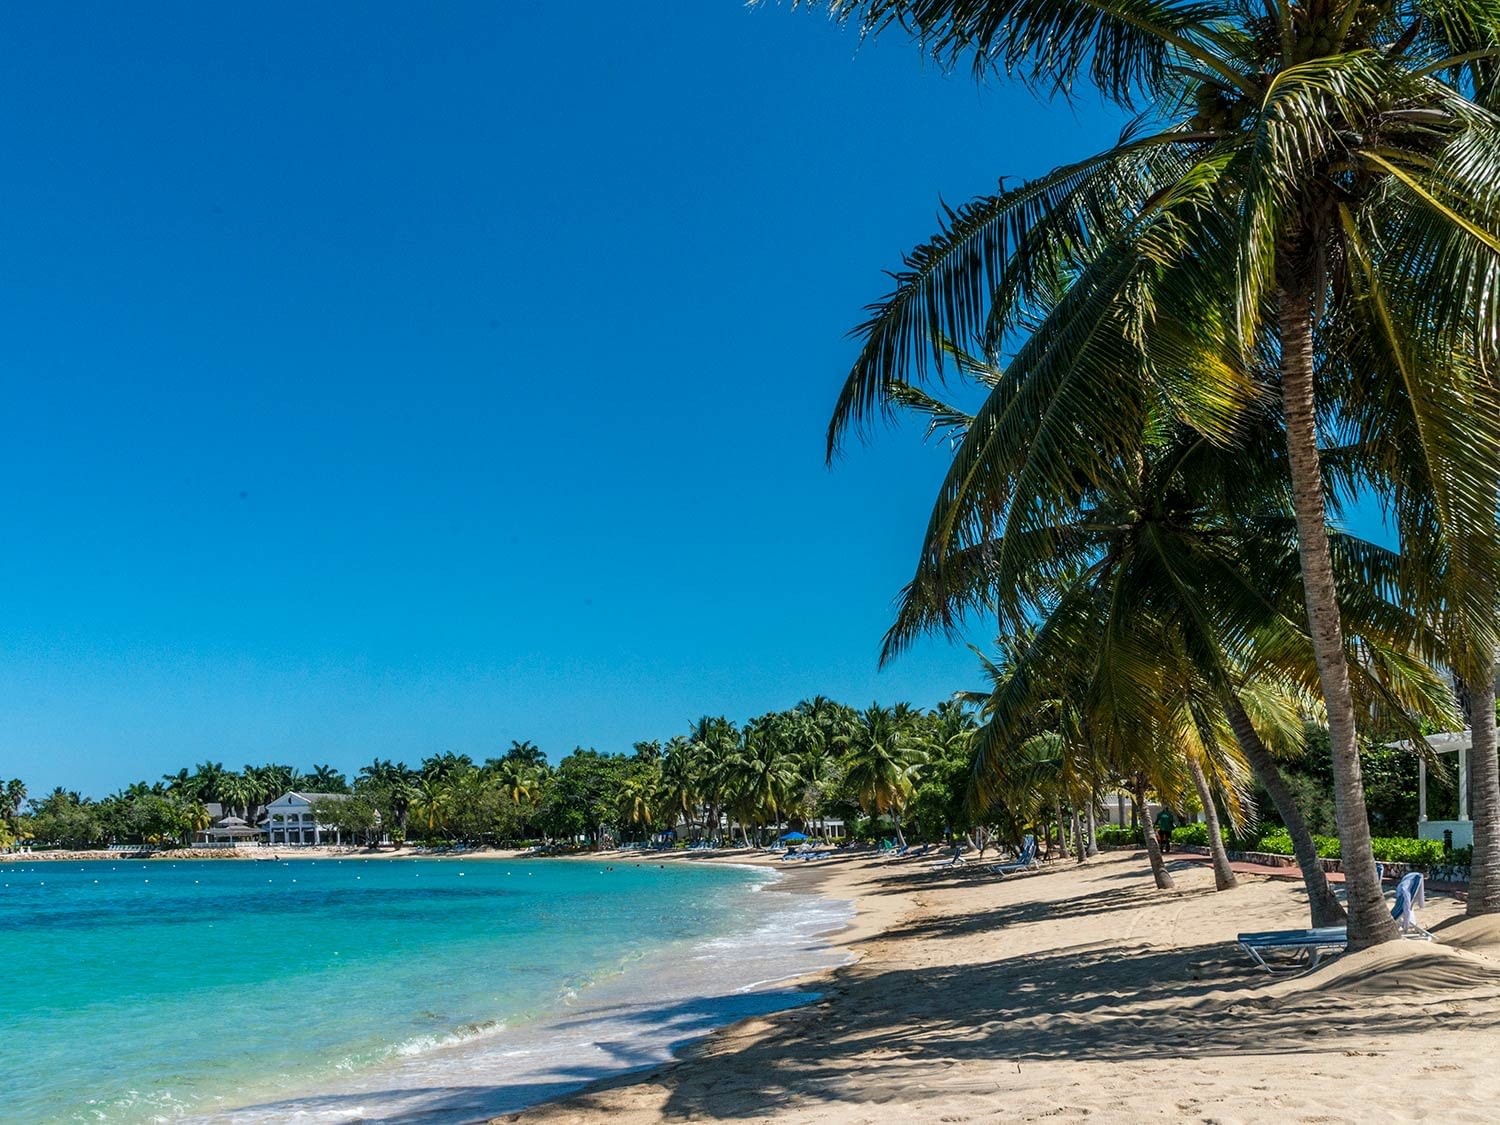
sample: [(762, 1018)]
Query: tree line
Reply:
[(895, 772)]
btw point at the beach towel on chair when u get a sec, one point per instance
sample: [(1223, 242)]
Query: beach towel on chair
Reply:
[(1411, 895)]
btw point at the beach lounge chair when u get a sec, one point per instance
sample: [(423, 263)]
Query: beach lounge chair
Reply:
[(1308, 947), (1024, 861), (955, 860)]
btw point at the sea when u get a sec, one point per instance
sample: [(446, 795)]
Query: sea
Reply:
[(411, 990)]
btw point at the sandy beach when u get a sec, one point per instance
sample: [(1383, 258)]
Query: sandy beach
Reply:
[(1083, 992)]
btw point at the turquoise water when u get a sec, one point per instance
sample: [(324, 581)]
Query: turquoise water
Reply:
[(370, 990)]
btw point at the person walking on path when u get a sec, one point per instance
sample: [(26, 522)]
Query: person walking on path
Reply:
[(1165, 822)]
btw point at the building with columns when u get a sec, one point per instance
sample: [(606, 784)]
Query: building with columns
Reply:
[(288, 821)]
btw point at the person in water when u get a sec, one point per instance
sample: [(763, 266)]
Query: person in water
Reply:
[(1165, 822)]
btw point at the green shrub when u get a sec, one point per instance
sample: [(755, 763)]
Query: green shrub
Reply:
[(1115, 836), (1195, 835), (1249, 842), (1388, 849), (1278, 842), (1460, 857), (1403, 849)]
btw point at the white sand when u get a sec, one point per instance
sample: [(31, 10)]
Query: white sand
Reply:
[(1085, 993)]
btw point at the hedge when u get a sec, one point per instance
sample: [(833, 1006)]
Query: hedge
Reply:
[(1195, 835), (1388, 849), (1114, 836)]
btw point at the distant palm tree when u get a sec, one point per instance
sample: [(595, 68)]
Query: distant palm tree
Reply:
[(882, 761), (527, 752), (446, 765), (519, 780), (681, 791), (206, 778), (238, 793), (199, 819), (762, 774), (326, 779), (637, 803), (432, 804), (12, 797), (396, 783), (714, 742)]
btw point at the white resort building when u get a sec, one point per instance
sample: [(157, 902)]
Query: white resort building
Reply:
[(288, 820)]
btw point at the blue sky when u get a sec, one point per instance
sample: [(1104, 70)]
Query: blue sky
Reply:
[(415, 378)]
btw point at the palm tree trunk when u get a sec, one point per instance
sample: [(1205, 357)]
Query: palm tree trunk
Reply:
[(1078, 844), (1484, 796), (896, 820), (1062, 828), (1370, 922), (1224, 879), (1326, 909), (1153, 851), (1093, 825)]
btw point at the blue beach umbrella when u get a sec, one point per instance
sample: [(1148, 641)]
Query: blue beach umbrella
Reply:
[(793, 836)]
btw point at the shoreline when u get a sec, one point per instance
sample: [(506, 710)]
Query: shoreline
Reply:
[(1083, 992), (657, 1005), (329, 851)]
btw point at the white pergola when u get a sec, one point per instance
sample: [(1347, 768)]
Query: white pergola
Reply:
[(1452, 742)]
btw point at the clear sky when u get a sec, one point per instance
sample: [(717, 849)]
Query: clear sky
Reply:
[(405, 378)]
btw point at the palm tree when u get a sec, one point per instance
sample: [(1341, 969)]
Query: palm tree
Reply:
[(446, 765), (1484, 793), (681, 789), (1191, 546), (238, 792), (714, 741), (520, 781), (881, 763), (396, 783), (199, 819), (763, 773), (326, 779), (527, 752), (12, 797), (1305, 209), (637, 805), (1051, 728), (432, 804)]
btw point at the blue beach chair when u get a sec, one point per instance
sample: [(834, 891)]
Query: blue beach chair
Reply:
[(1308, 947), (1025, 861)]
